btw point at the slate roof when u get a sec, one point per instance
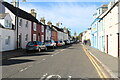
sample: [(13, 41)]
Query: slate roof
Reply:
[(20, 13)]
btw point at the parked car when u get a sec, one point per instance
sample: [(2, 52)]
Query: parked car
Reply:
[(71, 41), (62, 43), (35, 45), (50, 43), (68, 42), (58, 43)]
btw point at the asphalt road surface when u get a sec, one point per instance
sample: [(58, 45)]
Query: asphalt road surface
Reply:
[(64, 62)]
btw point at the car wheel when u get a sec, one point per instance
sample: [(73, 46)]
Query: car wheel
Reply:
[(39, 49)]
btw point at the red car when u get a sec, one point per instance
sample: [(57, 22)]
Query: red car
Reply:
[(58, 43)]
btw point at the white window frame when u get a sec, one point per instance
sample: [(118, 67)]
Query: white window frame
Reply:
[(26, 24), (34, 27), (26, 37), (7, 40), (42, 28), (20, 22), (34, 37), (42, 38)]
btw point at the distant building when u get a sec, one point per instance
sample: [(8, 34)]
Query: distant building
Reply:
[(86, 36)]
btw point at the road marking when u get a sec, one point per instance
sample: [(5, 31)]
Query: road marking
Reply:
[(97, 67), (69, 77), (43, 59), (43, 77), (62, 49), (50, 76), (52, 55), (23, 69)]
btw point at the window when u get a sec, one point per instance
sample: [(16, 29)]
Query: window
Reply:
[(34, 26), (26, 24), (42, 28), (42, 38), (34, 37), (26, 37), (6, 23), (20, 22), (7, 40)]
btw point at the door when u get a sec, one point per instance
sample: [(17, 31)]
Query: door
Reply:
[(20, 41), (107, 42)]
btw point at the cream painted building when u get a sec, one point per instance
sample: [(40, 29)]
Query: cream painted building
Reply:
[(86, 35), (111, 19)]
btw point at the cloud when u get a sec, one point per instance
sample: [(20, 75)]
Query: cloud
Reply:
[(76, 16)]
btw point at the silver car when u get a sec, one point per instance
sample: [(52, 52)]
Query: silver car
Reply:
[(35, 45)]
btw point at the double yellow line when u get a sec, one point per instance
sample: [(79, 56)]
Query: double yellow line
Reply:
[(100, 71)]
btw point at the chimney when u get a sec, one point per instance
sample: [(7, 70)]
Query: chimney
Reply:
[(33, 12), (14, 3), (49, 23), (42, 20)]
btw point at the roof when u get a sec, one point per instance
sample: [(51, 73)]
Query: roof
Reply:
[(2, 16), (58, 29), (20, 13)]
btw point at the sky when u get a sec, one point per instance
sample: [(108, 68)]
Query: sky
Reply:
[(73, 14)]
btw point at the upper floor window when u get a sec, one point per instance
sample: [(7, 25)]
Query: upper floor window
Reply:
[(8, 24), (20, 22), (34, 26), (42, 28), (26, 24)]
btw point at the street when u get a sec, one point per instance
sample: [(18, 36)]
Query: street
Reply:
[(69, 61)]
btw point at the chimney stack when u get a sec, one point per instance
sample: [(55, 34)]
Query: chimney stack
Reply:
[(49, 23), (33, 12), (42, 20)]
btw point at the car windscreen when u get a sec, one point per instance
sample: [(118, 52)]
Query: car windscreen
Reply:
[(47, 41), (32, 43)]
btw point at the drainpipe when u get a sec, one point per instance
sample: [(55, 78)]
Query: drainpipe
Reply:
[(118, 45)]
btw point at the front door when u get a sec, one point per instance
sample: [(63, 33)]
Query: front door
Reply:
[(107, 43), (20, 41)]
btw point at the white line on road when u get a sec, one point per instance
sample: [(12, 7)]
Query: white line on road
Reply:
[(23, 69), (43, 59), (43, 77), (50, 76), (69, 77)]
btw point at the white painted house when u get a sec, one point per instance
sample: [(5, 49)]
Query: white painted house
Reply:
[(25, 20), (7, 37), (48, 33), (111, 23)]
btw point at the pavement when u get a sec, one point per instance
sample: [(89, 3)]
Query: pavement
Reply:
[(64, 62), (12, 53), (110, 63)]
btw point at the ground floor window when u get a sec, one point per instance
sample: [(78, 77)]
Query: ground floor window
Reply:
[(7, 40), (34, 37), (26, 37), (42, 38)]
